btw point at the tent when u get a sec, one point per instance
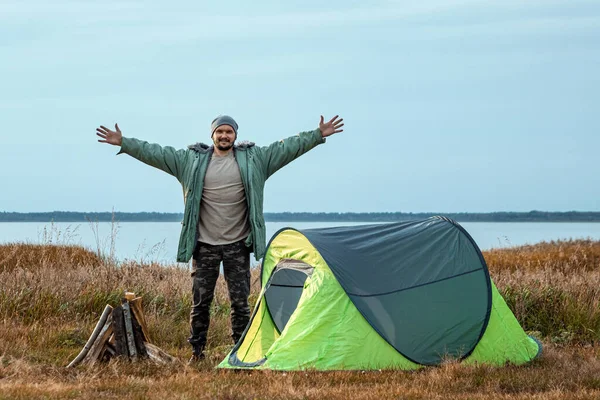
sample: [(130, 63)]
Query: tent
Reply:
[(398, 295)]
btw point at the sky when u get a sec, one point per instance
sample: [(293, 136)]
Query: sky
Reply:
[(449, 106)]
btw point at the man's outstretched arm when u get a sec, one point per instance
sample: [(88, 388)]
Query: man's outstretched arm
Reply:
[(285, 151), (165, 158)]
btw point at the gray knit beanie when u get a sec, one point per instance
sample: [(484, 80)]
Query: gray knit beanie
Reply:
[(223, 120)]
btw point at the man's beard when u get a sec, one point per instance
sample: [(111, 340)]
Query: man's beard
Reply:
[(226, 147)]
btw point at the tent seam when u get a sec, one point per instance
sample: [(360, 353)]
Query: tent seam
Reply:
[(416, 286)]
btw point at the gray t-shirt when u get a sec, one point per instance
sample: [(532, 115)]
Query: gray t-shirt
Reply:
[(223, 208)]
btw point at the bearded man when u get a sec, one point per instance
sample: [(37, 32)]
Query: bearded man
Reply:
[(223, 222)]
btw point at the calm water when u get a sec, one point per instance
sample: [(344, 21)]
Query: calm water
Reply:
[(157, 241)]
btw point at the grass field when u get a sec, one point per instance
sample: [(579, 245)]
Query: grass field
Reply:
[(51, 297)]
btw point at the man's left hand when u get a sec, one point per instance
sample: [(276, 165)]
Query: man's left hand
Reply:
[(333, 126)]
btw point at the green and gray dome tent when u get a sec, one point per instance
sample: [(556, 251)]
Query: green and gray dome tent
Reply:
[(399, 295)]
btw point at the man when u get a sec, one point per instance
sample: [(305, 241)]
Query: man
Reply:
[(223, 220)]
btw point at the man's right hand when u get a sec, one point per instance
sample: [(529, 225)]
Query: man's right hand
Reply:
[(108, 136)]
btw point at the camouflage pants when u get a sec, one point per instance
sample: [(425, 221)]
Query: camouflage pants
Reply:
[(236, 267)]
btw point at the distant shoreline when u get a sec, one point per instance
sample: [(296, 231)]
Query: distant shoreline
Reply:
[(531, 216)]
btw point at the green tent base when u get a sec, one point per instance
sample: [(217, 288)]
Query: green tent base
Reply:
[(385, 296)]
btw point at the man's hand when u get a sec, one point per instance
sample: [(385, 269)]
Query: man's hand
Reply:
[(108, 136), (331, 127)]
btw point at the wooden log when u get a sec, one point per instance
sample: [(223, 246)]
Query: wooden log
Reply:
[(99, 345), (138, 335), (158, 355), (120, 336), (129, 331), (99, 325), (110, 350), (138, 313)]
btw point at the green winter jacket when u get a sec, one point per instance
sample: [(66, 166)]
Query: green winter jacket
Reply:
[(189, 166)]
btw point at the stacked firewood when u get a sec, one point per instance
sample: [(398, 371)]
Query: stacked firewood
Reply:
[(121, 331)]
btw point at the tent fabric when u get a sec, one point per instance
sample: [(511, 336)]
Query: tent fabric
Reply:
[(378, 296), (415, 293)]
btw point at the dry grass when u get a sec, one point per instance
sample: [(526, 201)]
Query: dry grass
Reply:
[(552, 288), (51, 297), (33, 256), (568, 257), (563, 374)]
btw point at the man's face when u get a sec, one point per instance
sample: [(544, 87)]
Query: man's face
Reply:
[(224, 137)]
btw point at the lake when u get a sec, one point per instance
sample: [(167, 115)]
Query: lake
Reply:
[(157, 241)]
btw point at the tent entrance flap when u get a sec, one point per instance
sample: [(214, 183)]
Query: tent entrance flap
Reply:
[(276, 305), (284, 290)]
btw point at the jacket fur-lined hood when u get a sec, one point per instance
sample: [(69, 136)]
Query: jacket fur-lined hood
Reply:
[(203, 147)]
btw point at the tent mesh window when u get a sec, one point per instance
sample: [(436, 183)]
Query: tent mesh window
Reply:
[(284, 290)]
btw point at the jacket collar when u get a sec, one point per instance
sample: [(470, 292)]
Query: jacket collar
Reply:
[(200, 147)]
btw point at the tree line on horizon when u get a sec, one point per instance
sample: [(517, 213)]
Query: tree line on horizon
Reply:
[(505, 216)]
